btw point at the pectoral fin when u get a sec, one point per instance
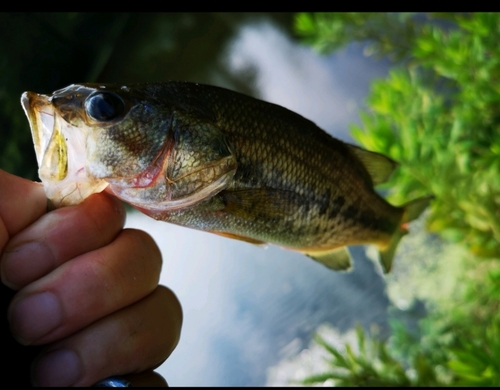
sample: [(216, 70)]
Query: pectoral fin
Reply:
[(251, 204), (263, 203), (337, 259)]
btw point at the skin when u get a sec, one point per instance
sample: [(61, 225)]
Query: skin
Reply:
[(87, 289)]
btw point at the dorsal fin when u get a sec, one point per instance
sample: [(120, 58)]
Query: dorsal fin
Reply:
[(379, 167)]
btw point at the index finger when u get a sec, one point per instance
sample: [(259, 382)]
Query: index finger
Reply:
[(59, 236)]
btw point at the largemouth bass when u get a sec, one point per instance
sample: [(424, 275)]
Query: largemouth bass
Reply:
[(219, 161)]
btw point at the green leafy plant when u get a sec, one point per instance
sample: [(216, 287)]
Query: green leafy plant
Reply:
[(438, 114), (371, 364)]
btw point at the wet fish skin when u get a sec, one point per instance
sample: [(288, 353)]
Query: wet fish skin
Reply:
[(219, 161), (295, 185)]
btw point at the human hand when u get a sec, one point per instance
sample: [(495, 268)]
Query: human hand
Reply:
[(87, 288)]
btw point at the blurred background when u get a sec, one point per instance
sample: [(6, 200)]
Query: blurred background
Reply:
[(250, 314)]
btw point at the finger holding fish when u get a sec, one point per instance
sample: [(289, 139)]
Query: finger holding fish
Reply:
[(59, 236)]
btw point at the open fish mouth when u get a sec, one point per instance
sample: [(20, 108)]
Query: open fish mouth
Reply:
[(60, 151)]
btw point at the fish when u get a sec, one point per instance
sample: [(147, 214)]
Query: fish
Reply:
[(215, 160)]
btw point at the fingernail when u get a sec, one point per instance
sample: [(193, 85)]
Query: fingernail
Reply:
[(34, 316), (25, 263), (61, 367)]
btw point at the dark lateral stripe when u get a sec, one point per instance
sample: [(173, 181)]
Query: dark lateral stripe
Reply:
[(367, 219)]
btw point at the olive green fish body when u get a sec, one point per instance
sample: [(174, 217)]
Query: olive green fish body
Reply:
[(219, 161), (295, 185)]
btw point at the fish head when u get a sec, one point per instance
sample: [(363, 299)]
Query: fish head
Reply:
[(91, 137)]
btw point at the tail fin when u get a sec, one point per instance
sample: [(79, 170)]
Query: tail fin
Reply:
[(413, 209)]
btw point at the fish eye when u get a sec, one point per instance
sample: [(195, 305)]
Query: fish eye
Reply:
[(104, 106)]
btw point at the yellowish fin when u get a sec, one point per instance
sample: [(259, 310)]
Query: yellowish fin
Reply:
[(337, 259), (413, 209)]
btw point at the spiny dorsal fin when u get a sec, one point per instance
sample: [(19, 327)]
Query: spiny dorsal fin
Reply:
[(337, 259), (379, 167)]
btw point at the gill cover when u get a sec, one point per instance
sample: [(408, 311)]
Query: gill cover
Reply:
[(195, 163)]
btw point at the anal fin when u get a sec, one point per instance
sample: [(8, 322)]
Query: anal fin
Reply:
[(337, 259)]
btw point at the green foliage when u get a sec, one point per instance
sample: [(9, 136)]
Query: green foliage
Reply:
[(440, 117), (460, 347), (466, 339), (371, 364), (438, 114), (475, 363), (431, 136), (388, 33)]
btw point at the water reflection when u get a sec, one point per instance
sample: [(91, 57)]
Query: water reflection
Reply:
[(246, 307)]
